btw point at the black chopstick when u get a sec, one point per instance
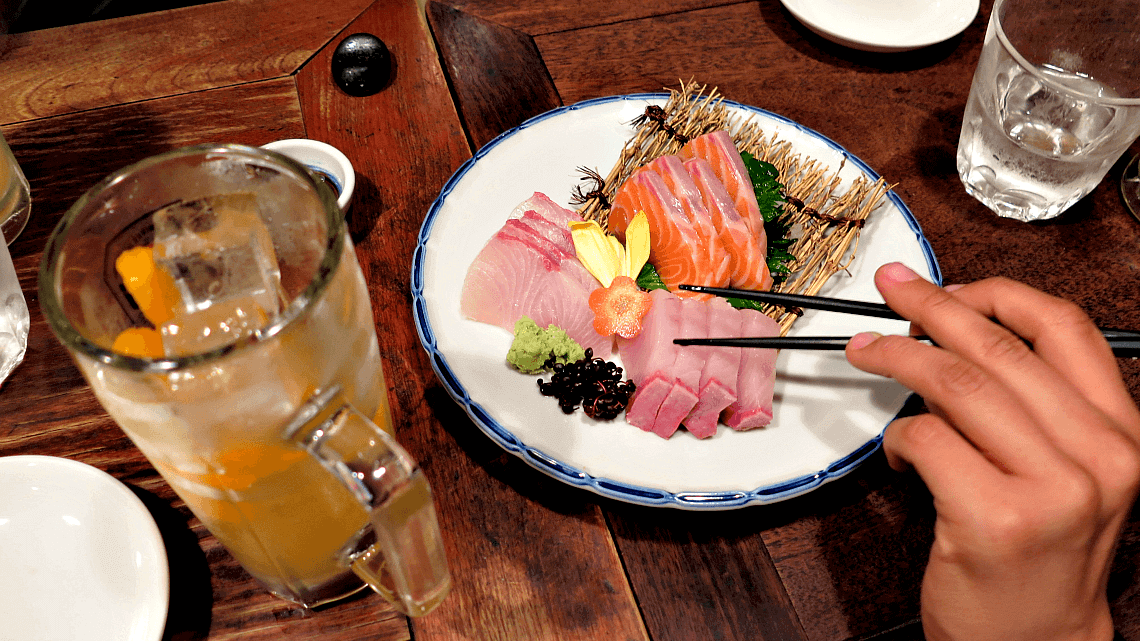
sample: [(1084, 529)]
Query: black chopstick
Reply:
[(878, 310), (1123, 342), (1123, 346)]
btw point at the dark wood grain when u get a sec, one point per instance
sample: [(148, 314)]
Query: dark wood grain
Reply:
[(157, 54), (496, 73), (531, 559), (703, 575), (850, 555), (535, 18)]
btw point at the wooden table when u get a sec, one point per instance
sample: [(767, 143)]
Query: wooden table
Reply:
[(532, 558)]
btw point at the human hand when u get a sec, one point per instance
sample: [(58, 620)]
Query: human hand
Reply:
[(1032, 455)]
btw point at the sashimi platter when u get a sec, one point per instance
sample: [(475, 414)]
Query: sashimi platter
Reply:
[(546, 288)]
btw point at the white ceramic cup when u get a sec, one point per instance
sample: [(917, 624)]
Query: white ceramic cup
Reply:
[(325, 160)]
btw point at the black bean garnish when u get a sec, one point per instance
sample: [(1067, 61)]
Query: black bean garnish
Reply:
[(593, 383)]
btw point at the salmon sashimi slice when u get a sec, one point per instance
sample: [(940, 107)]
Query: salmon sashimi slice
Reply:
[(688, 194), (748, 261), (757, 376), (675, 249), (721, 367), (718, 149)]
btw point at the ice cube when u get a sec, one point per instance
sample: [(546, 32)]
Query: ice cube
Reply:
[(220, 255), (1047, 118), (14, 320)]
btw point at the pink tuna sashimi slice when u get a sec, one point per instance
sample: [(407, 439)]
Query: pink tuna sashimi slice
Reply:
[(648, 358), (748, 255), (687, 370), (757, 378), (688, 196), (642, 409), (720, 371), (720, 151), (515, 275)]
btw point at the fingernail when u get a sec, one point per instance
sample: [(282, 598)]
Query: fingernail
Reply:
[(861, 340), (898, 273), (953, 288)]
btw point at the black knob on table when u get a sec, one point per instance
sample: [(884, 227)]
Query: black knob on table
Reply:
[(361, 64)]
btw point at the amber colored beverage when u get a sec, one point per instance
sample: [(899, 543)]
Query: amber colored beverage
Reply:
[(279, 439)]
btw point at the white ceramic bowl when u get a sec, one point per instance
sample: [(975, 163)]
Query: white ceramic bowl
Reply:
[(324, 159), (80, 555), (885, 25)]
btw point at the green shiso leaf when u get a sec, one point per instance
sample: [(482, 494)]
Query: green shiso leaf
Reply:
[(770, 198), (649, 280)]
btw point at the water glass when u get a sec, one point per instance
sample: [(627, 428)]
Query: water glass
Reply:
[(15, 207), (15, 195), (1055, 101), (214, 303)]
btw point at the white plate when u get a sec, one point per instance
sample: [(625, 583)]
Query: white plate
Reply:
[(885, 25), (828, 416), (80, 555)]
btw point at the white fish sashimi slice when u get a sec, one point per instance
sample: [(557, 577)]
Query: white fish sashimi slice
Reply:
[(565, 303), (542, 205), (514, 277), (529, 232), (560, 236), (502, 281)]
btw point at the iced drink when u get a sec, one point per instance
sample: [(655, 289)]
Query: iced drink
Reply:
[(254, 397), (1039, 134)]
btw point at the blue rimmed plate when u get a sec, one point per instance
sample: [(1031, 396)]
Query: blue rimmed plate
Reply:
[(829, 417)]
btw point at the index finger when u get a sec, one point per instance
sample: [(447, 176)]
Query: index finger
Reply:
[(1053, 392), (1062, 335)]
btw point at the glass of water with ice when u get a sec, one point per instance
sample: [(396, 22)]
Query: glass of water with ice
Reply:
[(15, 207), (1054, 103), (214, 303)]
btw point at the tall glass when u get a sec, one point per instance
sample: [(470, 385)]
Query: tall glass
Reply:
[(1130, 186), (15, 207), (1054, 103), (15, 195), (278, 437)]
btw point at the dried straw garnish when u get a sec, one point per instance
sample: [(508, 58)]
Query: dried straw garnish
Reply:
[(826, 217)]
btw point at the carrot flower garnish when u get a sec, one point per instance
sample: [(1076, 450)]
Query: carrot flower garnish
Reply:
[(619, 308), (619, 305)]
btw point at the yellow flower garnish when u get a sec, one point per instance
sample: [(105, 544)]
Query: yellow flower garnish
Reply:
[(604, 256)]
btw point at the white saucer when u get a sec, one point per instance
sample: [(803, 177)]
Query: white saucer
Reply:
[(80, 555), (885, 25)]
